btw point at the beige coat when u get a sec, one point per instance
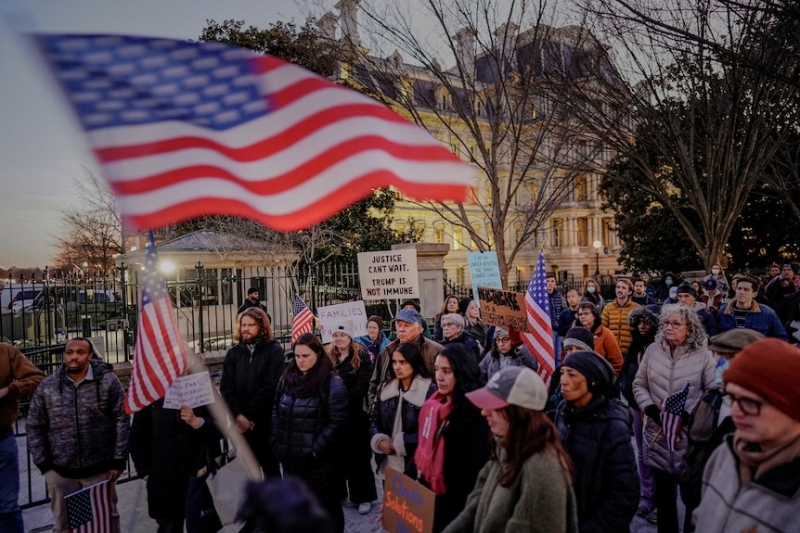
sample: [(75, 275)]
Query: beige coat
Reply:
[(661, 375)]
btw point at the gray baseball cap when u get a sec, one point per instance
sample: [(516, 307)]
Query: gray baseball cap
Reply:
[(515, 385)]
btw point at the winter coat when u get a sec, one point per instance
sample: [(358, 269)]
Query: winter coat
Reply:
[(566, 320), (383, 414), (374, 348), (594, 298), (492, 362), (466, 450), (248, 380), (478, 331), (606, 484), (467, 340), (305, 433), (168, 451), (722, 282), (79, 431), (760, 318), (647, 299), (631, 365), (713, 303), (708, 320), (21, 377), (661, 375), (615, 318), (770, 503), (539, 500), (606, 345), (383, 366), (355, 381), (557, 304)]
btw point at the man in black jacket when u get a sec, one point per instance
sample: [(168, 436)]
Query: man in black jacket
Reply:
[(253, 300), (250, 375)]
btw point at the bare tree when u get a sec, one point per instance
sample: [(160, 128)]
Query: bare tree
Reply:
[(698, 130), (92, 229), (480, 76)]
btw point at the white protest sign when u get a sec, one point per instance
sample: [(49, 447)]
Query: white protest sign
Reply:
[(331, 314), (484, 271), (388, 275), (193, 390)]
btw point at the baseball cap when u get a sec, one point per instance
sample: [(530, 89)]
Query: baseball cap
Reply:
[(410, 316), (514, 385)]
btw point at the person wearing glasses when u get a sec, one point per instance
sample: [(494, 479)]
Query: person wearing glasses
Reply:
[(678, 355), (752, 481), (605, 343), (504, 354), (454, 333)]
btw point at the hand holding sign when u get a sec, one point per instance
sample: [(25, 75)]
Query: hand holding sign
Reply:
[(192, 390)]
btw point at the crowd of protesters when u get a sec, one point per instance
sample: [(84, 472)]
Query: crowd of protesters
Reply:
[(682, 391)]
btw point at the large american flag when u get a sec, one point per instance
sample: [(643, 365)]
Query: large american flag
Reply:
[(89, 509), (185, 129), (160, 356), (672, 416), (303, 319), (540, 340)]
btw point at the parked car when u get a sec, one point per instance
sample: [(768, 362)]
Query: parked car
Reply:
[(26, 300)]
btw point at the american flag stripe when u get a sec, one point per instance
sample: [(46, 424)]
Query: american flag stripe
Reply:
[(540, 340), (89, 509), (187, 129), (303, 319)]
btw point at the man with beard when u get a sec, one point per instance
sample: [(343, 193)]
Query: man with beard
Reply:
[(253, 300), (250, 375), (77, 429)]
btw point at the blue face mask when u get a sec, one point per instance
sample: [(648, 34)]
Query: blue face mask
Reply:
[(667, 282), (722, 366), (590, 290)]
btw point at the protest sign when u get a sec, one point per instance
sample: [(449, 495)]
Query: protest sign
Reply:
[(484, 271), (504, 308), (330, 314), (407, 505), (388, 275), (193, 390)]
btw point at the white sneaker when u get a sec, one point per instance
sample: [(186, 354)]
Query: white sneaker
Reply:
[(364, 508)]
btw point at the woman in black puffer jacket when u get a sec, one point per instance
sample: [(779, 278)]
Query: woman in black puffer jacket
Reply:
[(308, 420), (595, 431)]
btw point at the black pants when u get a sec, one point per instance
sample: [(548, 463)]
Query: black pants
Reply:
[(666, 499), (258, 439), (356, 455)]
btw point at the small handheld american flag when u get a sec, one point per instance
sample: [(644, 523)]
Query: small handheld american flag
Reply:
[(672, 417), (89, 509), (303, 319), (540, 341)]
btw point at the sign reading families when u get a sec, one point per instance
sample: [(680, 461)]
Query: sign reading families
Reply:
[(331, 314), (193, 390), (484, 271), (407, 505), (388, 275), (503, 308)]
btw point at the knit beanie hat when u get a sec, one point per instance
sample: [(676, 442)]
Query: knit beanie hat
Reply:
[(685, 288), (378, 320), (579, 337), (769, 368), (343, 326), (598, 372)]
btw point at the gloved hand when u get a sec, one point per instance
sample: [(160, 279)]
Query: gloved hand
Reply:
[(654, 413)]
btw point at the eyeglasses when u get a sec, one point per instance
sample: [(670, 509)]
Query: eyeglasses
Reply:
[(502, 339), (748, 406), (673, 325), (448, 324)]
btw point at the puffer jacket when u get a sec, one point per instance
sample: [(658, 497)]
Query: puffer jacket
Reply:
[(606, 484), (383, 365), (661, 375), (168, 451), (383, 414), (615, 318), (373, 348), (767, 504), (79, 431), (305, 432), (761, 318)]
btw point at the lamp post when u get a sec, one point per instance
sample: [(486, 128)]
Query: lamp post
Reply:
[(597, 245)]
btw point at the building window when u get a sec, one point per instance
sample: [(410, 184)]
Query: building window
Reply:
[(583, 232), (438, 233), (557, 235), (608, 233), (458, 238), (582, 189), (460, 276), (489, 234)]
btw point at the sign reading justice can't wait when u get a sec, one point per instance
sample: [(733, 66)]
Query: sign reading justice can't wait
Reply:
[(391, 274)]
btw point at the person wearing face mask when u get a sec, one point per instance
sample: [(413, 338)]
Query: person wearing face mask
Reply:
[(662, 294), (591, 293), (718, 275), (711, 421)]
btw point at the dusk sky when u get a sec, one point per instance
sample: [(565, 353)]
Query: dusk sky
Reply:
[(41, 145)]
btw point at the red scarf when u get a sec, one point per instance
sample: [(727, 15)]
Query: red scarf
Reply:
[(430, 449)]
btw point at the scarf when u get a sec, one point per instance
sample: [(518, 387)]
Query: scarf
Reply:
[(429, 456), (754, 461)]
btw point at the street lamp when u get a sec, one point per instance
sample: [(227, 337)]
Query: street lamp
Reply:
[(597, 245)]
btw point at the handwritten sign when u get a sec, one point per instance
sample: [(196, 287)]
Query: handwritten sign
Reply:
[(407, 505), (504, 308), (388, 275), (330, 314), (193, 390), (484, 271)]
